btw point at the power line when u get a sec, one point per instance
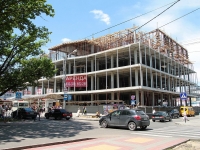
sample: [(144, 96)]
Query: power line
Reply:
[(179, 18), (158, 15), (132, 19), (151, 19)]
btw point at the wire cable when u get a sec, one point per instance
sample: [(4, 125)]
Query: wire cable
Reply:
[(131, 19), (178, 18)]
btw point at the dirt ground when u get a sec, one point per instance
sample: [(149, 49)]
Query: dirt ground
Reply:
[(190, 145)]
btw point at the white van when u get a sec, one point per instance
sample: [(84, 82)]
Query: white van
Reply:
[(20, 104)]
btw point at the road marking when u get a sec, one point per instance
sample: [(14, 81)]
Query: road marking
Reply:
[(151, 135)]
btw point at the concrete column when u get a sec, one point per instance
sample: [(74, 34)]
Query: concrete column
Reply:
[(75, 97), (112, 61), (92, 65), (169, 84), (150, 61), (136, 77), (161, 97), (142, 98), (135, 57), (153, 99), (92, 49), (97, 97), (152, 86), (92, 83), (117, 79), (54, 86), (112, 96), (168, 100), (69, 67), (112, 80), (160, 82), (97, 65), (92, 97), (141, 78), (117, 62), (97, 83), (137, 97)]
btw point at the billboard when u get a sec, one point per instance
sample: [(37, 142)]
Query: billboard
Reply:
[(76, 81)]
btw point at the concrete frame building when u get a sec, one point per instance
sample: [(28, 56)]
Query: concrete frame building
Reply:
[(151, 66)]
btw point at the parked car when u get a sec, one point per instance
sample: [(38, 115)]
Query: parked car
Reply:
[(23, 113), (174, 113), (129, 118), (58, 114), (161, 116)]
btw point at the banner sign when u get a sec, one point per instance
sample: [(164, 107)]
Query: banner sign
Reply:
[(76, 81)]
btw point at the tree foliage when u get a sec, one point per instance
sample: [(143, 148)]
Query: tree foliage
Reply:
[(20, 44)]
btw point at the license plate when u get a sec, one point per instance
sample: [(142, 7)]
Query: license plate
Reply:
[(145, 118), (31, 113), (156, 117), (68, 116)]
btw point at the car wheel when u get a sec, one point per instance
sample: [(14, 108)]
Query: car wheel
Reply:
[(47, 117), (153, 120), (143, 127), (170, 119), (104, 124), (178, 116), (132, 126), (67, 118)]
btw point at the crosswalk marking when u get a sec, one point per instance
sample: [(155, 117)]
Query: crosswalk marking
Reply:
[(172, 131)]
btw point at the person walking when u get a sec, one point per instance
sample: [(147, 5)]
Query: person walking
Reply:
[(38, 112), (185, 116), (2, 113)]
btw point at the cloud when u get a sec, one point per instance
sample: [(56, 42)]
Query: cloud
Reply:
[(64, 40), (98, 14)]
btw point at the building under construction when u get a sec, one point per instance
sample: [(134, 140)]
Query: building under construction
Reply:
[(151, 67)]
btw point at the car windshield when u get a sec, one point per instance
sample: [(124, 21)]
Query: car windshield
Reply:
[(28, 109), (62, 110), (159, 113)]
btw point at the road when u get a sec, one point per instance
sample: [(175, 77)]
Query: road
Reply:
[(31, 133)]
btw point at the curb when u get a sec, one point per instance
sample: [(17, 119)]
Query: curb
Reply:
[(169, 148), (48, 144)]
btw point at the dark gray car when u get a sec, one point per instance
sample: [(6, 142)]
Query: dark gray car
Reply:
[(130, 118)]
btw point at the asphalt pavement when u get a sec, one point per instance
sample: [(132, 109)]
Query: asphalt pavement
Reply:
[(120, 142)]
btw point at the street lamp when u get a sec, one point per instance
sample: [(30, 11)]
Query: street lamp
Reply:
[(65, 74)]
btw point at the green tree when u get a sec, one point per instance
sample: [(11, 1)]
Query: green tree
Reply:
[(20, 44)]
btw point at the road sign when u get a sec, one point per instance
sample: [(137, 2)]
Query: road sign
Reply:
[(183, 96), (65, 97), (18, 95)]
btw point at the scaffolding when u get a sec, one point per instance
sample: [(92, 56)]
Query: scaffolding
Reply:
[(156, 39)]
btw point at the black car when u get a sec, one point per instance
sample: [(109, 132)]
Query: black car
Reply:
[(58, 114), (161, 116), (174, 113), (23, 113), (130, 118)]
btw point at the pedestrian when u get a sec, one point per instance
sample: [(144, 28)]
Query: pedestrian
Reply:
[(185, 116), (153, 111), (2, 113), (83, 110), (38, 112)]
